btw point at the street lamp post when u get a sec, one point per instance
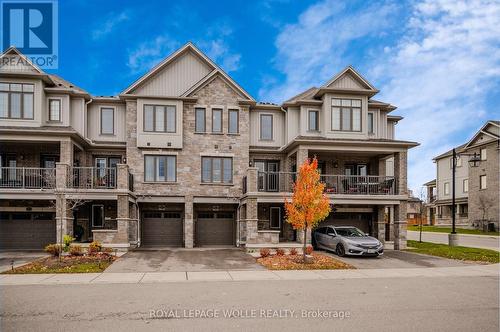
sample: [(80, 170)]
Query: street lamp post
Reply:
[(473, 161)]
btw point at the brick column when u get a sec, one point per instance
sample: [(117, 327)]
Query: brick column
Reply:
[(400, 167), (381, 223), (302, 155), (66, 152), (133, 224), (252, 220), (252, 174), (188, 222), (122, 176), (64, 218), (62, 171), (400, 226), (122, 219)]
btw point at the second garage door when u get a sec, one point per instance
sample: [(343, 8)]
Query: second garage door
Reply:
[(359, 220), (215, 228), (27, 230), (161, 229)]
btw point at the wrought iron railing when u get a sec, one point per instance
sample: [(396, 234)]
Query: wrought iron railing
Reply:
[(92, 177), (334, 184), (27, 177)]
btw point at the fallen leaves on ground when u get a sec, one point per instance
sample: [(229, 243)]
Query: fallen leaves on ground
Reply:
[(295, 262), (66, 264)]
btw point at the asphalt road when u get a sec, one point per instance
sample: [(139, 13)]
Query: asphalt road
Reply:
[(386, 304), (466, 240)]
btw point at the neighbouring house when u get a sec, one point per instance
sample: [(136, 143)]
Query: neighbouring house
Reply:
[(185, 157), (416, 212), (476, 183)]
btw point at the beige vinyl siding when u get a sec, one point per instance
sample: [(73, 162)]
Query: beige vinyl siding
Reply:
[(293, 123), (94, 126), (390, 130), (77, 115), (176, 78), (347, 81), (278, 128), (16, 65), (444, 172)]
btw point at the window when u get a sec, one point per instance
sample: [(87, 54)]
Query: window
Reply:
[(346, 114), (371, 128), (160, 118), (16, 100), (233, 122), (275, 218), (107, 121), (465, 186), (97, 215), (200, 126), (266, 127), (216, 120), (54, 110), (446, 188), (483, 154), (482, 182), (160, 168), (458, 162), (216, 170), (313, 120)]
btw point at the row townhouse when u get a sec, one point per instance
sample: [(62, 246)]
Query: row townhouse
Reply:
[(184, 157), (477, 186)]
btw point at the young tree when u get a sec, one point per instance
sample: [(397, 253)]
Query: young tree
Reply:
[(309, 204)]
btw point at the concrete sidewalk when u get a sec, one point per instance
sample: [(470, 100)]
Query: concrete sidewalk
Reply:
[(162, 277)]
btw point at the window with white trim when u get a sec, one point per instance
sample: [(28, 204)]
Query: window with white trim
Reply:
[(482, 182), (233, 121), (199, 119), (465, 185), (313, 117), (54, 109), (371, 123), (107, 121), (16, 101), (266, 127), (446, 188), (483, 154), (216, 120), (160, 118), (160, 168), (216, 169), (346, 114)]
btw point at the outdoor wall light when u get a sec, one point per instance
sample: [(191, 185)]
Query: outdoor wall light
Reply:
[(474, 160), (335, 164)]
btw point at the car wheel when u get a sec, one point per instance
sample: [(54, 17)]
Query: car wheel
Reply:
[(340, 250)]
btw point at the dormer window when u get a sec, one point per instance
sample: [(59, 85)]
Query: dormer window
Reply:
[(346, 114), (16, 101)]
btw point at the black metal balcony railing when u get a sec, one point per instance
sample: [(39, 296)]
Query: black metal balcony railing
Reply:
[(334, 184), (27, 177), (92, 177)]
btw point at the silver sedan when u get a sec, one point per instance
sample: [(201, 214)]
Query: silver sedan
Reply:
[(346, 240)]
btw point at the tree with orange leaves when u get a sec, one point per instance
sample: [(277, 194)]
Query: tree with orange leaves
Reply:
[(309, 205)]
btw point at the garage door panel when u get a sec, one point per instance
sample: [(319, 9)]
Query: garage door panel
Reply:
[(214, 229), (361, 220), (26, 233), (162, 229)]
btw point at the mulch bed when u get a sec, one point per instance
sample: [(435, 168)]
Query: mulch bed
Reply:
[(295, 262), (67, 264)]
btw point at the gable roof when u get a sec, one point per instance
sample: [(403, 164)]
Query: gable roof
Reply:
[(484, 131), (14, 50), (349, 70), (172, 57)]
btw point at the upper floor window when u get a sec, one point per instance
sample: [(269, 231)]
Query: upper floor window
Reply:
[(446, 188), (217, 170), (233, 122), (16, 100), (266, 127), (216, 120), (313, 120), (107, 121), (54, 110), (346, 114), (200, 125), (458, 162), (160, 168), (482, 182), (465, 186), (483, 154), (371, 123), (160, 118)]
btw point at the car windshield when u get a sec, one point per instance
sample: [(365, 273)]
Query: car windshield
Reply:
[(351, 232)]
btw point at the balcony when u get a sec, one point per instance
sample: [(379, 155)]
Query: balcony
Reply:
[(334, 184), (92, 177), (27, 177)]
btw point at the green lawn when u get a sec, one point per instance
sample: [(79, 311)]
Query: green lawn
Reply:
[(461, 253), (437, 229), (87, 264)]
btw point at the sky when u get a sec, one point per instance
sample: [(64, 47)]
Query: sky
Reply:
[(438, 61)]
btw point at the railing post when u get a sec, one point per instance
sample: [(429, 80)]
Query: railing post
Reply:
[(92, 178), (24, 177)]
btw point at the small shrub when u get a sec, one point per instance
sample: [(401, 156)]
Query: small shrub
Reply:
[(293, 251), (280, 252), (108, 250), (53, 249), (265, 252), (94, 247), (67, 239), (75, 250), (309, 250)]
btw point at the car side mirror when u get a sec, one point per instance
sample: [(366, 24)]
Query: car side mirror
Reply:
[(367, 234), (332, 234)]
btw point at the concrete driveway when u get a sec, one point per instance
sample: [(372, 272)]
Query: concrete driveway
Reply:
[(184, 260), (18, 257), (392, 259)]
